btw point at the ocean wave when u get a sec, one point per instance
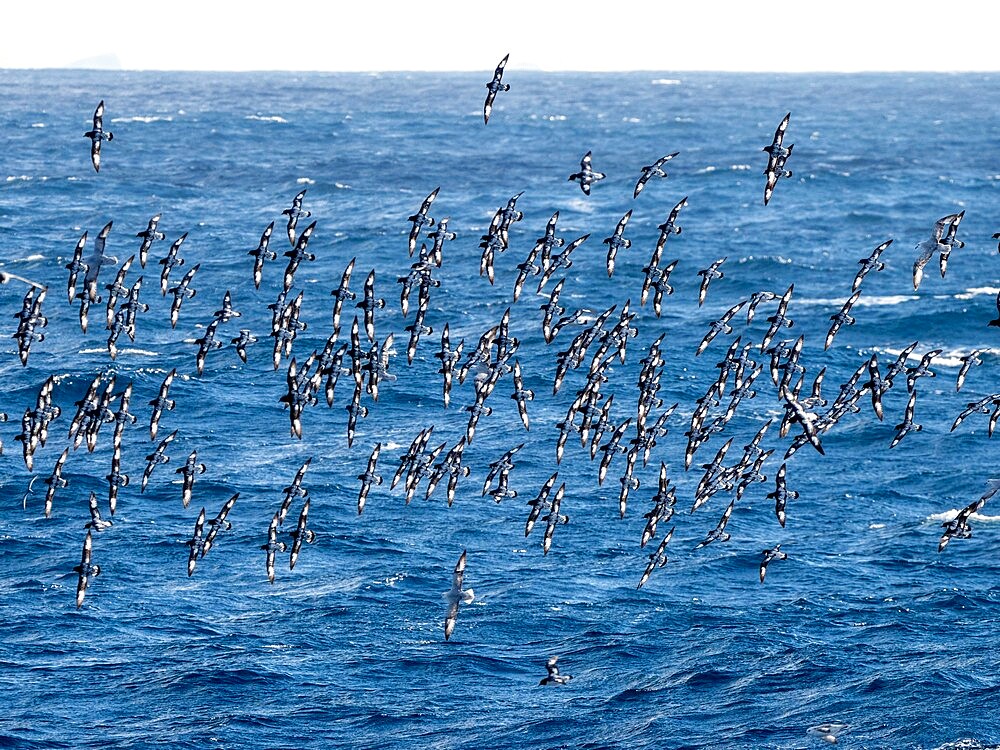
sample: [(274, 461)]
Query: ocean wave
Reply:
[(977, 291), (305, 181), (950, 515), (265, 118), (38, 124), (145, 118), (665, 81), (732, 168)]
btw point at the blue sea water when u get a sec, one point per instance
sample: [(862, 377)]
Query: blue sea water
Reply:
[(865, 623)]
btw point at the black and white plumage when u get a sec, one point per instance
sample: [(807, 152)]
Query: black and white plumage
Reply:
[(553, 518), (521, 395), (294, 213), (781, 495), (707, 274), (272, 547), (96, 522), (301, 534), (55, 481), (586, 176), (86, 570), (149, 235), (154, 459), (456, 595), (169, 262), (161, 403), (841, 318), (219, 524), (617, 241), (554, 676), (369, 477), (370, 304), (182, 292), (420, 219), (719, 533), (188, 471), (261, 254), (97, 135), (493, 87), (934, 244), (76, 266), (657, 559), (342, 293), (769, 555), (95, 262), (777, 155), (297, 254), (968, 361), (652, 170), (869, 264), (196, 543), (907, 425)]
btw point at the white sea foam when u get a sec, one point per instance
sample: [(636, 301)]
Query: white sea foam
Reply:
[(266, 118), (732, 168), (863, 301), (392, 445), (19, 178), (342, 186), (665, 81), (38, 124), (103, 350), (36, 256), (145, 118), (951, 515), (305, 181), (631, 119), (978, 291)]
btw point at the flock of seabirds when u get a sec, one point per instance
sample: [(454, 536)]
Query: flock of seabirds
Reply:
[(598, 340)]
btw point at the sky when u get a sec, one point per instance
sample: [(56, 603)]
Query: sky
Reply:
[(472, 35)]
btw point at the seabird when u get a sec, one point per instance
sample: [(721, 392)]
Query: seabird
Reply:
[(96, 135), (970, 359), (96, 522), (272, 547), (652, 170), (493, 87), (86, 570), (777, 155), (656, 560), (155, 458), (617, 241), (586, 176), (369, 477), (300, 534), (774, 553), (188, 471), (260, 254), (294, 213), (196, 543), (149, 235), (554, 676), (421, 219), (455, 595), (219, 523)]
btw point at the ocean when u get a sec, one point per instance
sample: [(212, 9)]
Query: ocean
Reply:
[(865, 626)]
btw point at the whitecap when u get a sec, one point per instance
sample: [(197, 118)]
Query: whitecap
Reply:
[(36, 256), (19, 178), (631, 119), (342, 186), (38, 124), (144, 118), (665, 81), (392, 446), (305, 181), (978, 291), (266, 118), (951, 515)]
